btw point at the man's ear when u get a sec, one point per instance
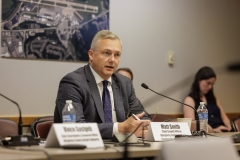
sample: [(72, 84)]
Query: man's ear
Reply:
[(90, 54)]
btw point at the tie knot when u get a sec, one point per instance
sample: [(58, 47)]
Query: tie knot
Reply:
[(105, 83)]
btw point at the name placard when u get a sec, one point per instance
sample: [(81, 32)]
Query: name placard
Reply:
[(159, 131), (74, 133)]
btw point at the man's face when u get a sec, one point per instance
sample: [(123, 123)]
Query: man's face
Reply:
[(105, 58)]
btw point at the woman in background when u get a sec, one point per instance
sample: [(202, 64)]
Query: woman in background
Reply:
[(202, 91)]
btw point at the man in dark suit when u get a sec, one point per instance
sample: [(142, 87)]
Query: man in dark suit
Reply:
[(84, 87)]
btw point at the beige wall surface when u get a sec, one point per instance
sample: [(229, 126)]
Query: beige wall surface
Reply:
[(199, 32)]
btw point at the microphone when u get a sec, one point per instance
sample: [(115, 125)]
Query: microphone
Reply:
[(197, 118), (20, 115), (234, 67)]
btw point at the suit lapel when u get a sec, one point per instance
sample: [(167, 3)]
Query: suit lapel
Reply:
[(118, 102), (94, 92)]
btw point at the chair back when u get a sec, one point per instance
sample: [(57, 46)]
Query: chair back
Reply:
[(44, 118), (235, 122), (43, 128), (40, 129), (8, 127), (34, 123)]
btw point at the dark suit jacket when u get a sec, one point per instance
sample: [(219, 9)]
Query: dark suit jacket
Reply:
[(80, 87)]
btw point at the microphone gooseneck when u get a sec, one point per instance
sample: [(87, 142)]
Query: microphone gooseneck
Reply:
[(126, 139), (20, 114), (197, 118), (132, 107)]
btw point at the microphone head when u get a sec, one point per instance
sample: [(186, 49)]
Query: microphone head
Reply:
[(144, 85), (234, 67)]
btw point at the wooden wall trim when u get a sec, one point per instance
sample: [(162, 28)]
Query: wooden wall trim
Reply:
[(230, 115), (28, 120), (233, 115)]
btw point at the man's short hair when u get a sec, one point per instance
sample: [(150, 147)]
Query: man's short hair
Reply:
[(103, 34)]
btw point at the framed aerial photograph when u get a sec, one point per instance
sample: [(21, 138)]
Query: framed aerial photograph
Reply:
[(51, 29)]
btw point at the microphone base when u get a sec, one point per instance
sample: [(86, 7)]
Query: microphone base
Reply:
[(19, 140), (121, 138), (194, 134), (133, 144), (199, 133)]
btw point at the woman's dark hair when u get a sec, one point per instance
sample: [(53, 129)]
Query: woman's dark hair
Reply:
[(126, 70), (203, 74)]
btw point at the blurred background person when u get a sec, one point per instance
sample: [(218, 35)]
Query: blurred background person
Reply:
[(126, 72), (202, 91)]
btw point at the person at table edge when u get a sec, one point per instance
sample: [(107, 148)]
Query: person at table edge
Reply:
[(84, 87)]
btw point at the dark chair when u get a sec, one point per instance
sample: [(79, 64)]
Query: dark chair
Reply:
[(8, 127), (162, 117), (33, 125), (235, 123), (44, 118), (41, 128)]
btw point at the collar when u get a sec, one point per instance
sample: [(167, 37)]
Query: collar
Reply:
[(99, 79)]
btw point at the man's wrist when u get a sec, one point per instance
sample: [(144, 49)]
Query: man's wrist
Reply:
[(121, 127)]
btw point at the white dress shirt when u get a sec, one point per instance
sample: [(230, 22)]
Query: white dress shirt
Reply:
[(99, 80)]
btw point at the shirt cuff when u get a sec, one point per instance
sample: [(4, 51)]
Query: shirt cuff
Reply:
[(115, 128)]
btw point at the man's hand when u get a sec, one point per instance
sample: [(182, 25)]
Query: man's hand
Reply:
[(130, 124)]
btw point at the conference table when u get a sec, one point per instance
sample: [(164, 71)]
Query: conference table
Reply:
[(109, 152)]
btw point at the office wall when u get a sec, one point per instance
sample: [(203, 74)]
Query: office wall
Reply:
[(199, 32)]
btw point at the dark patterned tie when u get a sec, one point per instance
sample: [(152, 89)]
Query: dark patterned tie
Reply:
[(107, 107)]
